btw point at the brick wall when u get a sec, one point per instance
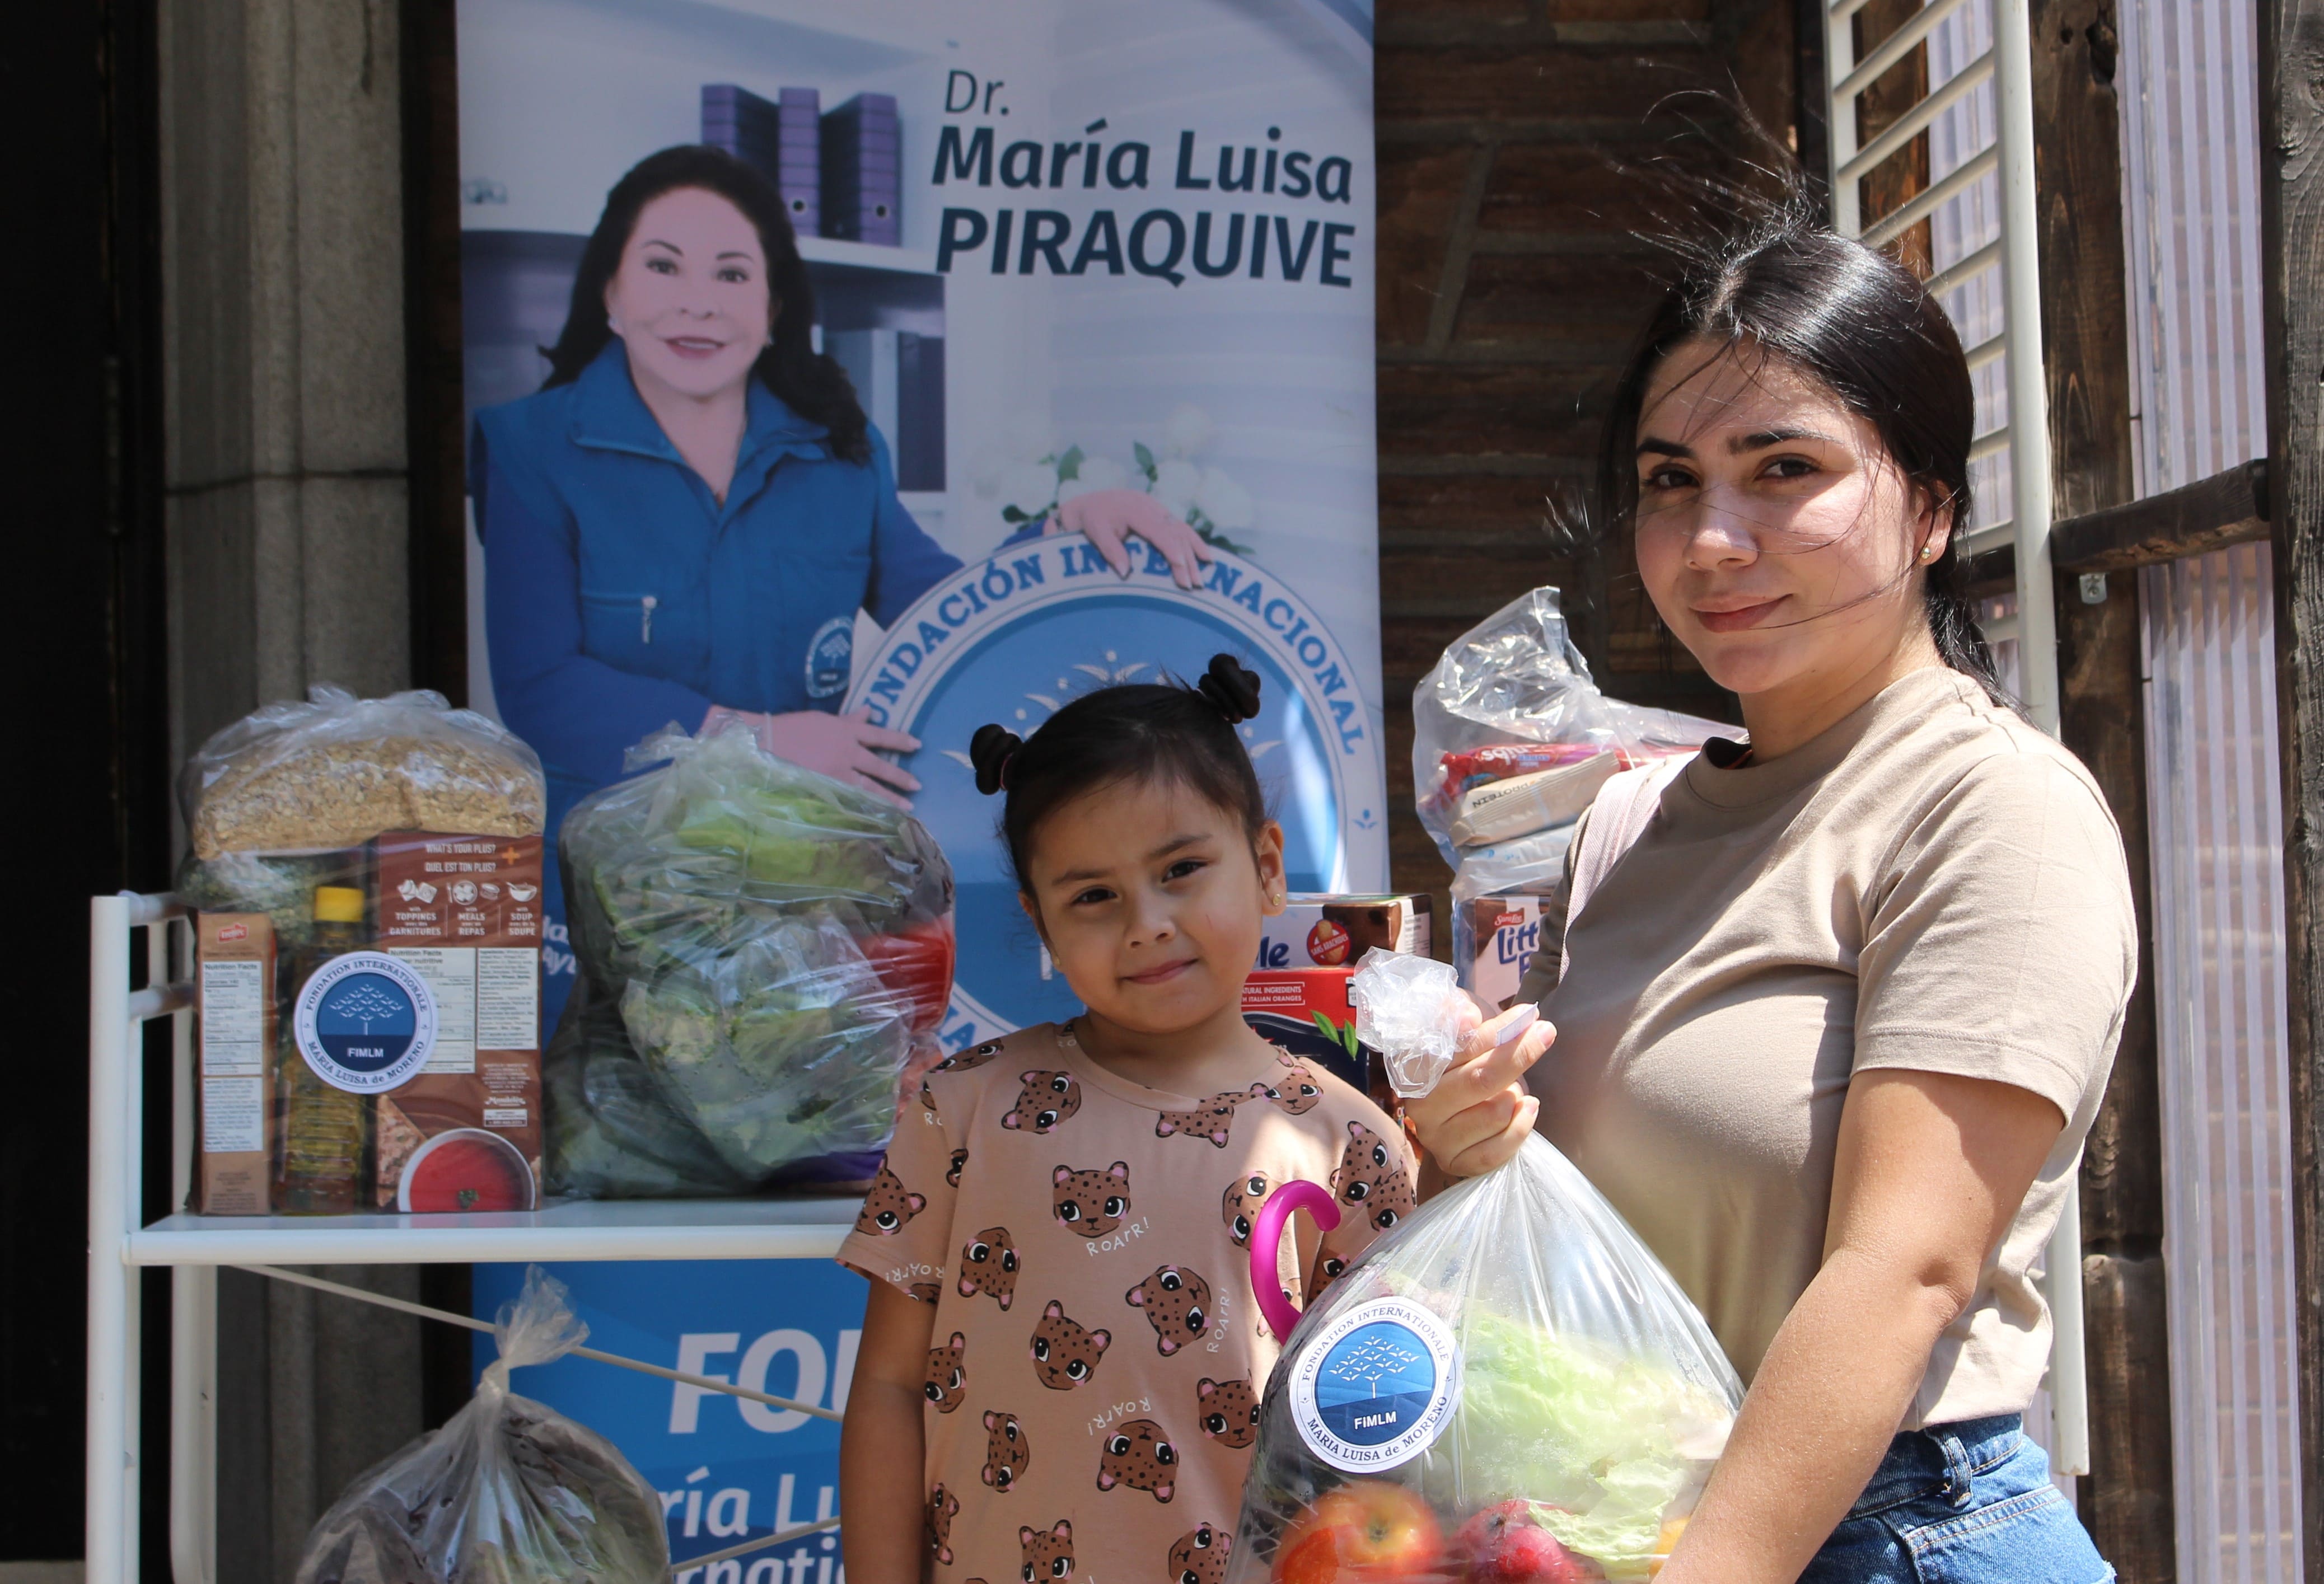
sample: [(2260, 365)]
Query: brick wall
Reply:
[(1510, 287)]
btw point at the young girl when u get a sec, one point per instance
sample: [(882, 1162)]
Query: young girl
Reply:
[(1062, 1360)]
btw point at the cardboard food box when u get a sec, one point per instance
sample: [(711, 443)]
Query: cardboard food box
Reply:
[(420, 1007), (236, 1013), (1494, 939), (1317, 930), (466, 1132), (1309, 1013)]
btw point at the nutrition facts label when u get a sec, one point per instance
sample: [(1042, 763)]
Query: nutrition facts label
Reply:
[(508, 998), (451, 975), (234, 1020), (487, 998), (234, 1113)]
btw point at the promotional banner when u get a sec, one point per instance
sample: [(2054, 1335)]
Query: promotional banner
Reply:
[(727, 1469), (1061, 248)]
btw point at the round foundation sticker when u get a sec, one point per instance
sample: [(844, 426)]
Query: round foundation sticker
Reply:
[(1375, 1387), (365, 1022)]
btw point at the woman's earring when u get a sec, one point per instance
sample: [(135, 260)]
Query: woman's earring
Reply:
[(1928, 552)]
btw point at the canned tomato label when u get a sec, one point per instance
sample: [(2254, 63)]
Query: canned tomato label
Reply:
[(365, 1022), (1376, 1386)]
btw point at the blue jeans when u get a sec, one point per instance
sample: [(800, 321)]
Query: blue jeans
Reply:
[(1967, 1503)]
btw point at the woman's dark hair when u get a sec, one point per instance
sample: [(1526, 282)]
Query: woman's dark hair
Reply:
[(1866, 328), (1161, 732), (814, 385)]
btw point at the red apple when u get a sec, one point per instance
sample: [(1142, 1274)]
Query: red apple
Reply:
[(1366, 1532), (1505, 1544)]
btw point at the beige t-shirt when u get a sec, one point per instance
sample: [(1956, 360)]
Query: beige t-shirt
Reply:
[(1098, 1356), (1932, 884)]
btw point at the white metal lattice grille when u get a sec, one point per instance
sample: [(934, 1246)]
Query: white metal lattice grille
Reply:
[(2216, 827)]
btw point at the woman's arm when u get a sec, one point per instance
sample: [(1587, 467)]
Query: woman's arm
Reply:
[(882, 1458), (1931, 1170)]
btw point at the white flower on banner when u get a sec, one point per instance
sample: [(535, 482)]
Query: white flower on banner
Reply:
[(1224, 501), (1030, 486), (1103, 473), (1188, 430), (1175, 481)]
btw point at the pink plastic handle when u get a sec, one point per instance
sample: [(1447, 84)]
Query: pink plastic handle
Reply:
[(1267, 1243)]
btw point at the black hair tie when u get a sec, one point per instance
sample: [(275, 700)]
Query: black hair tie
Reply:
[(990, 751), (1231, 689)]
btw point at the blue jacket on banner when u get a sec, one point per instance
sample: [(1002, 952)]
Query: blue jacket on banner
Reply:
[(620, 594)]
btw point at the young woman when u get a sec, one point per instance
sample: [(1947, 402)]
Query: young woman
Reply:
[(1833, 1009), (683, 522)]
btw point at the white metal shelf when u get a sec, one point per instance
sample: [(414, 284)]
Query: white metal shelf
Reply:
[(716, 1229), (195, 1246)]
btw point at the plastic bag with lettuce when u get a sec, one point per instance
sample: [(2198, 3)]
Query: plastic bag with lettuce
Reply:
[(763, 952), (1507, 1389)]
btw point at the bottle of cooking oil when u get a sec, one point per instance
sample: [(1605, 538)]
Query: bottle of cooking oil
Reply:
[(320, 1168)]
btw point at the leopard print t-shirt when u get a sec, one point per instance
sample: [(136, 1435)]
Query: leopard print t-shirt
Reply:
[(1097, 1358)]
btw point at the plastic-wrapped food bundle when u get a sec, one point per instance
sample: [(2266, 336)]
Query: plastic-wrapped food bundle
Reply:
[(1508, 1388), (361, 867), (336, 769), (1512, 740), (776, 947), (507, 1492)]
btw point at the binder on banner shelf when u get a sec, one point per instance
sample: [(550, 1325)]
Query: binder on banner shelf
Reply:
[(782, 138), (862, 184)]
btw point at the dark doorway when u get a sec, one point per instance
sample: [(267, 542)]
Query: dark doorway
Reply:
[(86, 671)]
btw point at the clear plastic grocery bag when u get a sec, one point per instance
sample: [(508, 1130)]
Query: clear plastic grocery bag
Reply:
[(335, 770), (507, 1492), (1511, 740), (777, 947), (1507, 1389)]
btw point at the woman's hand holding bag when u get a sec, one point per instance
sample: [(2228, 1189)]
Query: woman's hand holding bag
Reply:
[(1479, 1113)]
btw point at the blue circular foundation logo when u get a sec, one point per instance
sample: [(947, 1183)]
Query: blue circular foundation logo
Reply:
[(365, 1022), (1015, 637), (1374, 1387)]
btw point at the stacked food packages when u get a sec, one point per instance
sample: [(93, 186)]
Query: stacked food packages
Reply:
[(1507, 1389), (764, 955), (1511, 741), (1296, 996), (367, 879)]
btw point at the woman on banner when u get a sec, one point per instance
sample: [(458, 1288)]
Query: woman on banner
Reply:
[(683, 522), (1835, 1007)]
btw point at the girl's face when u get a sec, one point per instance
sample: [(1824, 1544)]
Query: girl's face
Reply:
[(690, 299), (1151, 899), (1775, 535)]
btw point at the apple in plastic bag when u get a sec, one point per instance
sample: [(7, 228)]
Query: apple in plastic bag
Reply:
[(1366, 1532), (1505, 1544)]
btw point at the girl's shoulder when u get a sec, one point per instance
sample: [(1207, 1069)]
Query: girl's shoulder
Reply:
[(1342, 1116), (974, 1069)]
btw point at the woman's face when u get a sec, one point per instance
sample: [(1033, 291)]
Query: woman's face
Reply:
[(1775, 535), (691, 299)]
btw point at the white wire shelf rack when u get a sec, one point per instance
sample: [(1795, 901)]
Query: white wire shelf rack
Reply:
[(120, 1243)]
